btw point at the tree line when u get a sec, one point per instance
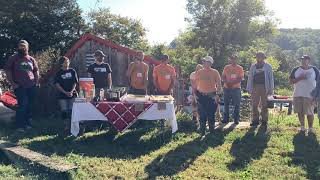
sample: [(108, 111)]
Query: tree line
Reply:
[(218, 28)]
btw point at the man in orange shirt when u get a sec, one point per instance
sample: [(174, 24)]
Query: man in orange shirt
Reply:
[(232, 76), (208, 90), (138, 75), (164, 76)]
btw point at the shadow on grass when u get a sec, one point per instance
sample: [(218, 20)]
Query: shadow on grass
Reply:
[(142, 138), (183, 156), (307, 154), (126, 146), (250, 146)]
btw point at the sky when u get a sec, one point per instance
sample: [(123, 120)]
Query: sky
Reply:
[(164, 19)]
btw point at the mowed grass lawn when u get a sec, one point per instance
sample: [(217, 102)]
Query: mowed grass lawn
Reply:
[(146, 151)]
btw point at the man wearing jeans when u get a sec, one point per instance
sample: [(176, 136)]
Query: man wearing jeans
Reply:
[(232, 76), (23, 75), (208, 88)]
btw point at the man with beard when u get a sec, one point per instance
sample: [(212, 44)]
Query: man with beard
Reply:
[(23, 75)]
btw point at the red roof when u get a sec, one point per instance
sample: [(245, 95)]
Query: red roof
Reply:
[(89, 37)]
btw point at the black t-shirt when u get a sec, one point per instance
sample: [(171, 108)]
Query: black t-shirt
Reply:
[(259, 75), (66, 79), (100, 74)]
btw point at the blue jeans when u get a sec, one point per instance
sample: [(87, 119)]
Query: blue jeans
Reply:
[(25, 98), (207, 108), (232, 96)]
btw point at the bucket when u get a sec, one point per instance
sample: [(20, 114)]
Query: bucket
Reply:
[(86, 88)]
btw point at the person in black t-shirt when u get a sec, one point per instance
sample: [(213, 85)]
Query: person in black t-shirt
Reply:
[(66, 81), (101, 73)]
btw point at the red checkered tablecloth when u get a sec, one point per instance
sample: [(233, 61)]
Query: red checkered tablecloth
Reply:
[(120, 114)]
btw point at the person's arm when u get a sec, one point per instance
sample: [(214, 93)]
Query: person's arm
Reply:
[(10, 79), (294, 80), (173, 80), (76, 81), (9, 73), (271, 82), (129, 72), (249, 81), (155, 79), (146, 77), (110, 80), (219, 87), (89, 70), (36, 71), (218, 81)]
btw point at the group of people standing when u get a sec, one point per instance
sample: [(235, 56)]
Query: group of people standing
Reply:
[(207, 91), (23, 75)]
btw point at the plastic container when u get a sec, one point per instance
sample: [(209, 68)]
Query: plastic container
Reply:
[(87, 89)]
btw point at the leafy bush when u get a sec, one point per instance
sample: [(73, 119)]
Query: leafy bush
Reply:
[(47, 59)]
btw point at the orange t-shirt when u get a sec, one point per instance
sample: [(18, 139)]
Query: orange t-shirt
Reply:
[(164, 73), (208, 80), (138, 75), (232, 72)]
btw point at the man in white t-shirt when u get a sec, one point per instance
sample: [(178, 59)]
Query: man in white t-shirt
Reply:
[(304, 79)]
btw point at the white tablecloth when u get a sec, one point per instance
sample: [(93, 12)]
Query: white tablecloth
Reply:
[(88, 112)]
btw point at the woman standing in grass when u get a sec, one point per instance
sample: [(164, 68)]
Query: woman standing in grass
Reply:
[(304, 80)]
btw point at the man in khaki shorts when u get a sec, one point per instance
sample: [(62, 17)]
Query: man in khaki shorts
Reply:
[(304, 80)]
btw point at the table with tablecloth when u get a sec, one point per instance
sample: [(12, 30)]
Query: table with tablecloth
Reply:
[(121, 114)]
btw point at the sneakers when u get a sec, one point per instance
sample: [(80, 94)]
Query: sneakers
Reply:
[(264, 124), (225, 121), (254, 123), (302, 130), (310, 131)]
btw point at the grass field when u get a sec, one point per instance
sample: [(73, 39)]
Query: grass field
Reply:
[(147, 152)]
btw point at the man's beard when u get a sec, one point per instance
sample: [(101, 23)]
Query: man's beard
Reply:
[(22, 52)]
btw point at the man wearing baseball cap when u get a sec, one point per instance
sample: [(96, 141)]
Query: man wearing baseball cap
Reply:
[(304, 79), (260, 85), (101, 73), (208, 88), (164, 76), (23, 75)]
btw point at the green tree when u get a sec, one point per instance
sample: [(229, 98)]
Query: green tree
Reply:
[(53, 23), (121, 30), (225, 26)]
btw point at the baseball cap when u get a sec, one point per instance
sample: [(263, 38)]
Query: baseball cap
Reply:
[(99, 53), (164, 57), (24, 42), (306, 57), (208, 59)]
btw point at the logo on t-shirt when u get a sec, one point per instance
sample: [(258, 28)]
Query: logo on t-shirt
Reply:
[(100, 69), (66, 76), (26, 66)]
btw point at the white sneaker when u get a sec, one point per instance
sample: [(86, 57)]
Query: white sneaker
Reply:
[(302, 129), (310, 130)]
